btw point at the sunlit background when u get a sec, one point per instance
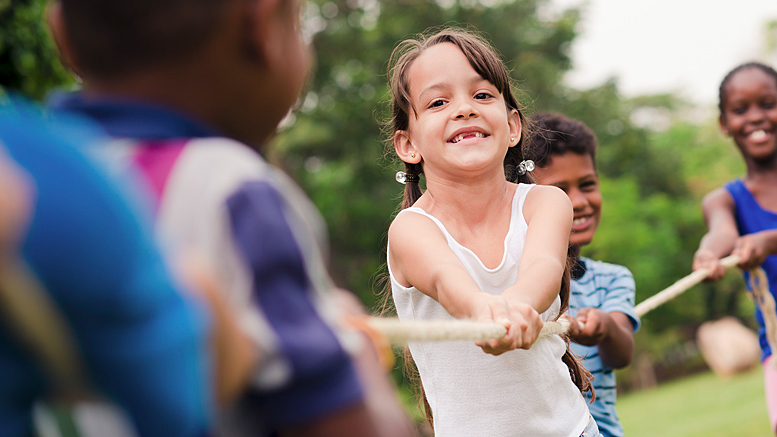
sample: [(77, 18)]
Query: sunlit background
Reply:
[(644, 75)]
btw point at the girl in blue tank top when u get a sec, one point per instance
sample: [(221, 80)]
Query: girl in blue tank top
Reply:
[(742, 215)]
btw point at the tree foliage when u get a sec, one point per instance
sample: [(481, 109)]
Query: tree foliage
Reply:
[(335, 146), (654, 167), (28, 59)]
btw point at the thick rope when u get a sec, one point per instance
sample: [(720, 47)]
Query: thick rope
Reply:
[(679, 287), (759, 290), (401, 332)]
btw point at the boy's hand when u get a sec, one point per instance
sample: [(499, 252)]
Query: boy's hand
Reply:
[(595, 326), (705, 259), (523, 323)]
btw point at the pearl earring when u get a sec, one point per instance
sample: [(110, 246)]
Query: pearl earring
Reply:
[(412, 155), (512, 139)]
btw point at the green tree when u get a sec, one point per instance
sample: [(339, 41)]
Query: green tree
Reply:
[(28, 59), (335, 147)]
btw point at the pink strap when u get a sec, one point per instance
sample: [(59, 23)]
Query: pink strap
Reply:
[(155, 160)]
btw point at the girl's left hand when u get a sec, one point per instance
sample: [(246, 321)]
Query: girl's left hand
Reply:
[(523, 325)]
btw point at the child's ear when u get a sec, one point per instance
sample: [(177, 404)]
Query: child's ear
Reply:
[(56, 24), (404, 147), (723, 128), (514, 125), (262, 37)]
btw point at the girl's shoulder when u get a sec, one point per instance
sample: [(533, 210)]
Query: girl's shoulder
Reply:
[(542, 199), (721, 197), (412, 223)]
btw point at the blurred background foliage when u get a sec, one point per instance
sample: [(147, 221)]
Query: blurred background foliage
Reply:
[(655, 164)]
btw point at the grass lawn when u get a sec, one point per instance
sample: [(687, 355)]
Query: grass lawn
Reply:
[(701, 405)]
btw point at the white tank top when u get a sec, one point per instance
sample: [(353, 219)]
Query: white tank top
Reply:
[(471, 393)]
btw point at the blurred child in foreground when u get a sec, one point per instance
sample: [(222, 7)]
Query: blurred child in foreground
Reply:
[(187, 89), (88, 306)]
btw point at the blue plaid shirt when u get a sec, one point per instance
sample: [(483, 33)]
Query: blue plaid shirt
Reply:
[(608, 287)]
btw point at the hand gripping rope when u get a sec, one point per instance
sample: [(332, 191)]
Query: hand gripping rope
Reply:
[(391, 330)]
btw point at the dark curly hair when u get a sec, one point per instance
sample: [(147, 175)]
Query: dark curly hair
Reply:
[(557, 134), (112, 38)]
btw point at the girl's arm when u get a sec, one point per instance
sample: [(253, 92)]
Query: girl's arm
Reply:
[(419, 256), (720, 240), (548, 213)]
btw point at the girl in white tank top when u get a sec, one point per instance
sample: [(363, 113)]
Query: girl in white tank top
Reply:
[(476, 246)]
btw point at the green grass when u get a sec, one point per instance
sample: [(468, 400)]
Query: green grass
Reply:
[(698, 406)]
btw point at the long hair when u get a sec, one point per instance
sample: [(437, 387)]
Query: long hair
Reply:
[(485, 61)]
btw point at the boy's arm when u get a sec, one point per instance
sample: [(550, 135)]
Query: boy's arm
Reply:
[(419, 256), (719, 214), (327, 391), (612, 324), (235, 355), (15, 205)]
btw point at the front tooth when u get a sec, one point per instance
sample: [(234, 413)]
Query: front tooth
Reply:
[(758, 135)]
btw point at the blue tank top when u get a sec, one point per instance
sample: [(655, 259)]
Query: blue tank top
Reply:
[(752, 218)]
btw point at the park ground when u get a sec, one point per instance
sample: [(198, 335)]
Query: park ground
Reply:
[(699, 405)]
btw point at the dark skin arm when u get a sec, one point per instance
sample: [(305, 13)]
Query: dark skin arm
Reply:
[(16, 194), (611, 332), (380, 414), (718, 208), (723, 238), (753, 249)]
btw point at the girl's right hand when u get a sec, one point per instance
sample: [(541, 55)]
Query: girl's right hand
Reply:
[(753, 249), (706, 259), (523, 323)]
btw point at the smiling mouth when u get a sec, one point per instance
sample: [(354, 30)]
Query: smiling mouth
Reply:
[(758, 135), (461, 137), (580, 221)]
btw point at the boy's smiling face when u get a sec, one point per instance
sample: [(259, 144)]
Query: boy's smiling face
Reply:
[(577, 176)]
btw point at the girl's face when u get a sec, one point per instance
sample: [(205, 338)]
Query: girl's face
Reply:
[(750, 113), (461, 122), (576, 175)]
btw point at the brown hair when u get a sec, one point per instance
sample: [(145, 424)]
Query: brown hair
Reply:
[(485, 61)]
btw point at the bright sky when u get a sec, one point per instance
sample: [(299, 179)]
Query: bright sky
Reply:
[(655, 46)]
